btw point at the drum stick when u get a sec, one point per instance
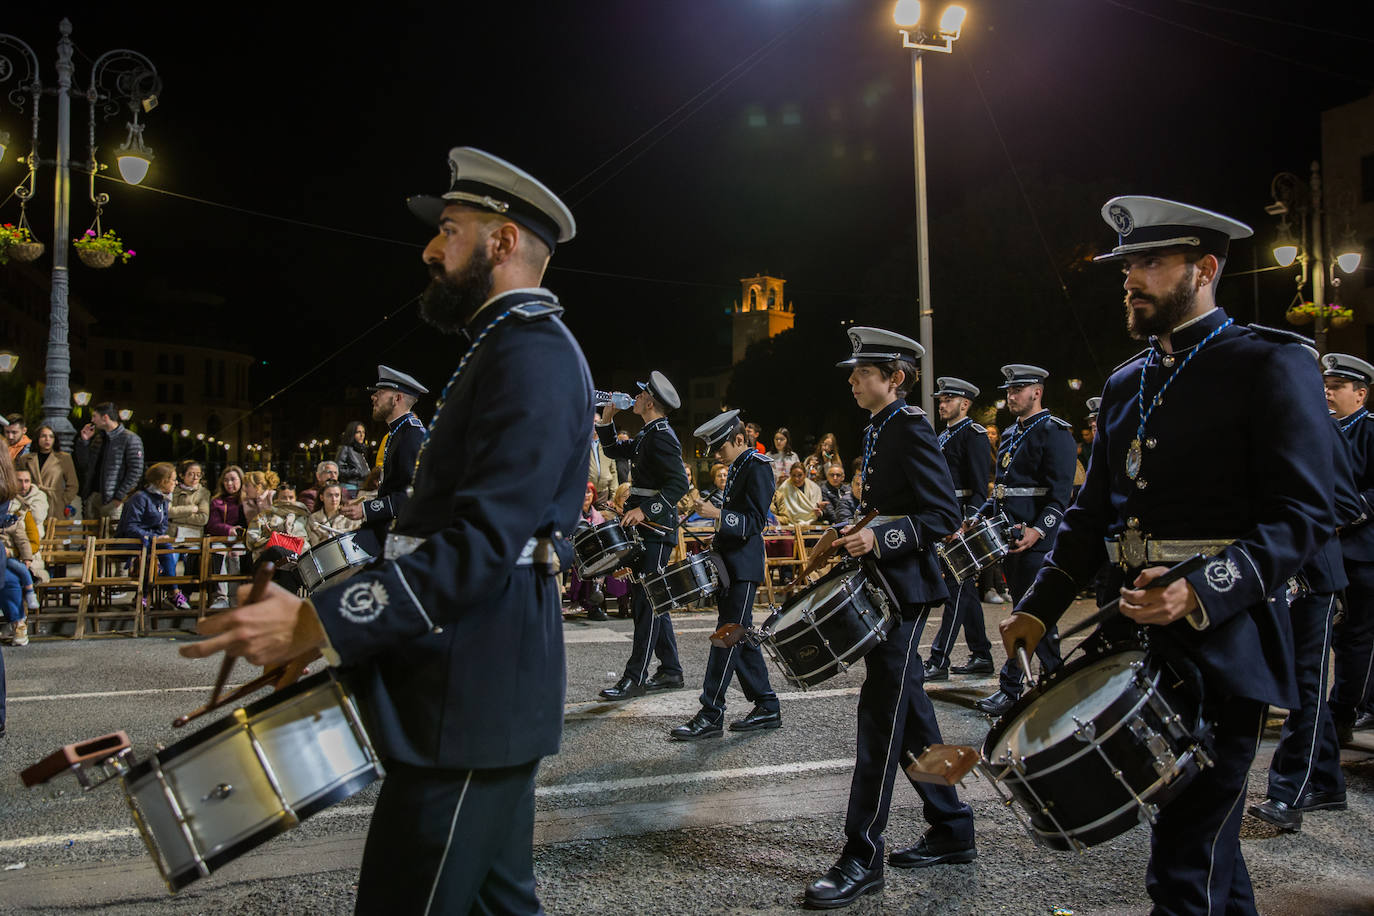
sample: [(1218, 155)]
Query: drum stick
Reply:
[(261, 577), (1024, 658), (824, 548), (1113, 607)]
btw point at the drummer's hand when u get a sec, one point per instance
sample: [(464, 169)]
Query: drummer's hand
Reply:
[(353, 510), (632, 517), (1157, 605), (1029, 536), (857, 544), (270, 632), (707, 509), (1022, 628), (965, 525)]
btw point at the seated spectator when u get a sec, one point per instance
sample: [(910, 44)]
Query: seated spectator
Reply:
[(826, 453), (591, 594), (327, 521), (838, 503), (286, 519), (813, 469), (190, 510), (145, 516), (34, 499), (351, 459), (54, 473), (797, 500), (259, 492), (226, 520), (17, 549), (326, 472), (716, 495), (782, 456), (688, 504)]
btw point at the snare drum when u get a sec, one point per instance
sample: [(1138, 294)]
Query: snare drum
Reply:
[(982, 545), (1101, 745), (258, 772), (824, 630), (332, 561), (602, 548), (693, 579)]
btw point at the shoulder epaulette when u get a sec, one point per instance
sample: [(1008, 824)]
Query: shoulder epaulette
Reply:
[(1063, 423), (911, 410), (533, 311), (414, 421), (1279, 335), (978, 428), (1131, 360), (760, 456)]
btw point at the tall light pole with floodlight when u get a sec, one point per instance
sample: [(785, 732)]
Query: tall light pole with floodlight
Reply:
[(119, 77), (907, 15)]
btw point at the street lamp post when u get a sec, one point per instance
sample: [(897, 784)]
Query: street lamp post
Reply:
[(907, 15), (1292, 194), (119, 75)]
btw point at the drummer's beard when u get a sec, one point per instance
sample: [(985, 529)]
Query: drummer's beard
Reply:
[(450, 300), (1170, 310)]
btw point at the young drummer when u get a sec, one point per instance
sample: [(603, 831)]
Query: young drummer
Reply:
[(906, 479), (739, 546)]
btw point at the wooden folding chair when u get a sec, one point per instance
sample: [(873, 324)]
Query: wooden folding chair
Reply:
[(68, 564), (220, 550), (807, 538), (116, 565), (189, 551), (772, 538)]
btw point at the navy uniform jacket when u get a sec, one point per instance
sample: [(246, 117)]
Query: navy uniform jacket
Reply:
[(739, 531), (908, 484), (1325, 571), (1044, 457), (1357, 543), (1241, 450), (455, 652), (404, 436), (969, 457), (655, 464)]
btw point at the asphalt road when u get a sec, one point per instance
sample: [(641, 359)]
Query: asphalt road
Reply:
[(628, 821)]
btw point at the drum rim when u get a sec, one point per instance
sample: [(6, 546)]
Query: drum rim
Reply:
[(1085, 747), (231, 721), (1003, 723), (688, 564), (841, 569)]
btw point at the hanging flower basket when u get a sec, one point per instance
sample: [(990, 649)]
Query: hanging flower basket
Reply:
[(100, 251), (15, 242), (1307, 312), (1340, 321), (26, 251), (1294, 316)]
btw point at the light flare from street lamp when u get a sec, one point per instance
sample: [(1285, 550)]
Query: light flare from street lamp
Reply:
[(1348, 261), (200, 437), (907, 13), (126, 415), (1285, 254), (8, 361), (81, 398), (952, 21), (166, 427), (185, 433)]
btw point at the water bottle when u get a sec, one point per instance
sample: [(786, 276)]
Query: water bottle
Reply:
[(619, 399)]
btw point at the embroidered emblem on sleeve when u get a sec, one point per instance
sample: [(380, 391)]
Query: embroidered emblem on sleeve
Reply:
[(731, 520), (363, 602), (1222, 574), (377, 505), (894, 538), (1051, 521), (656, 508)]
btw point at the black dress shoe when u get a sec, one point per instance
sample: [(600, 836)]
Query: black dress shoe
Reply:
[(845, 882), (663, 681), (623, 690), (1365, 721), (758, 718), (699, 726), (925, 853), (977, 664), (597, 613), (934, 673), (995, 705), (1322, 801), (1278, 813)]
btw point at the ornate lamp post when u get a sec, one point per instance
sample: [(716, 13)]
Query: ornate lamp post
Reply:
[(117, 77)]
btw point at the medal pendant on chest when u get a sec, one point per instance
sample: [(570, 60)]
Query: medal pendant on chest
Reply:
[(1133, 457), (1006, 459)]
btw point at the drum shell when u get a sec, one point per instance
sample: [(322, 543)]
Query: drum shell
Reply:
[(332, 561), (841, 629), (975, 550), (316, 752), (1072, 795), (678, 585), (600, 549)]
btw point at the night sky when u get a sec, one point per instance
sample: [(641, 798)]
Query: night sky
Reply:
[(697, 143)]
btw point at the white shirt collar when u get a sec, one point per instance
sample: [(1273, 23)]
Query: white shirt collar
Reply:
[(1192, 321)]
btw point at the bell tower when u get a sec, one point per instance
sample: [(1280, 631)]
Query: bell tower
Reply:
[(762, 312)]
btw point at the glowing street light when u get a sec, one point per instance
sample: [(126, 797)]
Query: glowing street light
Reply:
[(81, 398), (8, 361)]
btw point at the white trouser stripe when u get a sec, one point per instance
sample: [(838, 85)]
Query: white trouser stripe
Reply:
[(729, 674), (898, 710), (1321, 696), (439, 872), (1212, 856)]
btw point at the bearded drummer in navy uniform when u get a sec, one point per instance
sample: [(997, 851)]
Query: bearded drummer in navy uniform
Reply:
[(905, 479), (1036, 459), (738, 545), (453, 641), (392, 397), (657, 481), (968, 454), (1171, 477)]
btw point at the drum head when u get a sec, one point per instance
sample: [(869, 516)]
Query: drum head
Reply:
[(1048, 718), (814, 598)]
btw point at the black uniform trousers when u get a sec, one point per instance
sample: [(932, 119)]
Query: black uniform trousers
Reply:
[(736, 605), (1021, 569), (896, 716), (963, 609), (451, 841), (653, 632), (1195, 857), (1308, 756), (1353, 684)]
